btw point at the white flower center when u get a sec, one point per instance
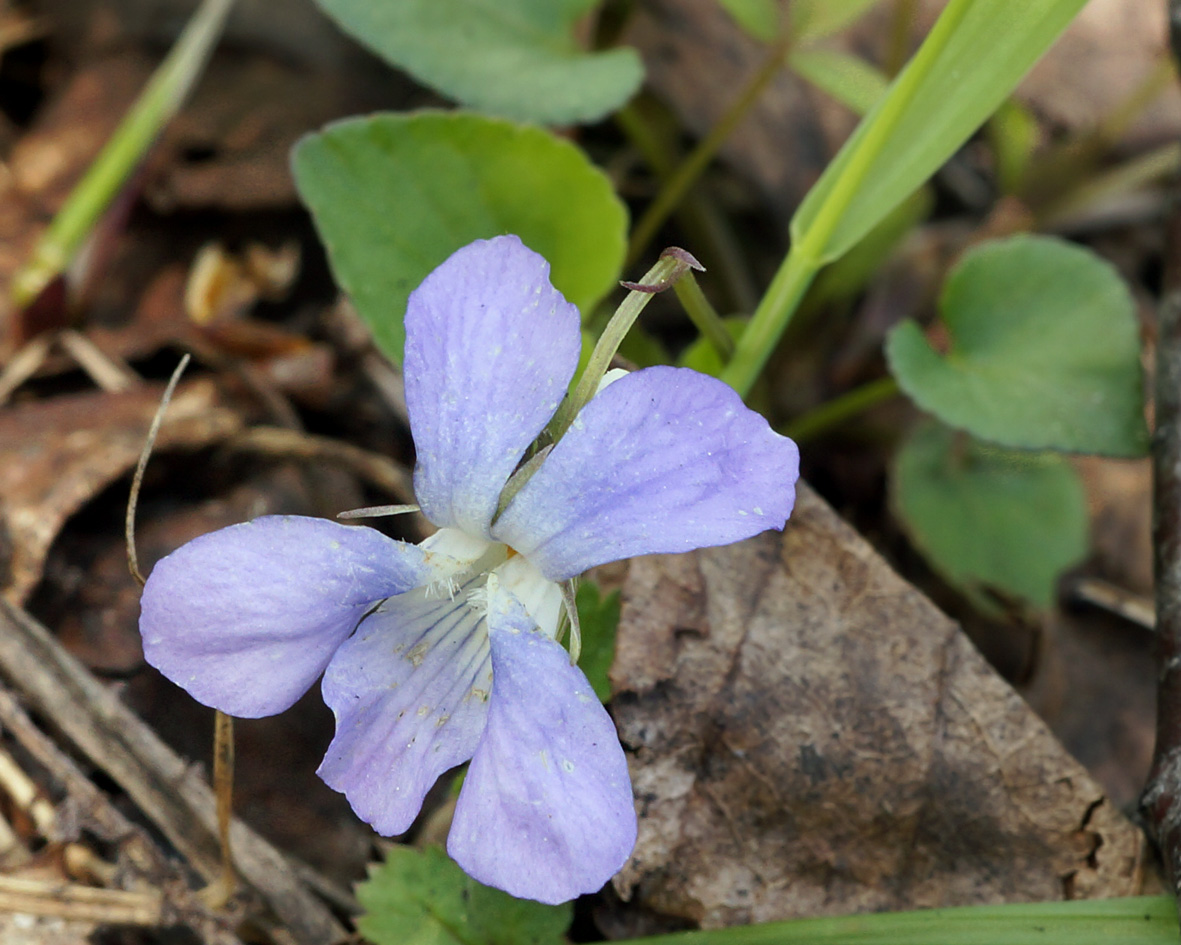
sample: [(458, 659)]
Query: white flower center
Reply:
[(460, 556)]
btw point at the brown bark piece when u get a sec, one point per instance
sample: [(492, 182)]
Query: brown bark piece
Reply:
[(812, 736), (58, 454)]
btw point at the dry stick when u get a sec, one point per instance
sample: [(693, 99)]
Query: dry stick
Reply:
[(171, 793), (98, 814), (1162, 795), (220, 892)]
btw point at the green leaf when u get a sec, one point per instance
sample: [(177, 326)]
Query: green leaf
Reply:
[(420, 897), (1137, 920), (975, 55), (392, 196), (814, 19), (598, 618), (846, 77), (989, 518), (1044, 351), (703, 357), (760, 18), (514, 58), (1013, 133)]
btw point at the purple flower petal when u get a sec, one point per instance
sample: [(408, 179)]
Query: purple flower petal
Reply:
[(490, 349), (245, 618), (409, 691), (546, 810), (663, 460)]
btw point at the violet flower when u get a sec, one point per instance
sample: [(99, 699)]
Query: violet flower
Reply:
[(438, 653)]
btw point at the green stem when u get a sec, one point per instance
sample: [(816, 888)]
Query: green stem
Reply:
[(674, 189), (702, 314), (656, 279), (837, 411), (1141, 920), (769, 321), (155, 107), (811, 250)]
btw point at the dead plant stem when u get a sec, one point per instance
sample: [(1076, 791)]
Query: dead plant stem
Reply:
[(1161, 800)]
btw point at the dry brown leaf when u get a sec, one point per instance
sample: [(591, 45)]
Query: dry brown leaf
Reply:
[(812, 736), (58, 454)]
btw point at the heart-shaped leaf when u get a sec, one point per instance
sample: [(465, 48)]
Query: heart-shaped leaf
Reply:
[(515, 58), (420, 897), (394, 195), (990, 518), (1043, 351)]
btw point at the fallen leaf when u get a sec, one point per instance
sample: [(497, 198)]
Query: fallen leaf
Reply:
[(56, 455), (813, 736)]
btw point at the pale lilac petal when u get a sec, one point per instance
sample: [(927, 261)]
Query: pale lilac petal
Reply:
[(490, 349), (244, 619), (409, 691), (663, 460), (546, 810)]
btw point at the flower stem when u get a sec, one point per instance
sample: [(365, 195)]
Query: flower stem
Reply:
[(838, 410), (769, 320), (811, 248), (673, 263), (702, 314), (155, 107)]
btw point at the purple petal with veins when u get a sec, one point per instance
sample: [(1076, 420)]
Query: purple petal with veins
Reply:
[(490, 349), (410, 694), (663, 460), (246, 618), (546, 810)]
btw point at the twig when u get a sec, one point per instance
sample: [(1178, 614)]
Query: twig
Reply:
[(1162, 795), (24, 364), (25, 795), (221, 890), (377, 470), (169, 792), (1135, 608), (93, 810), (110, 373), (85, 903)]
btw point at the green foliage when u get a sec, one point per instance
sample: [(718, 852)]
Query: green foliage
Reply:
[(989, 518), (848, 78), (598, 618), (514, 58), (394, 195), (815, 19), (420, 897), (702, 356), (1013, 133), (760, 18), (1044, 351), (1136, 920), (975, 55)]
